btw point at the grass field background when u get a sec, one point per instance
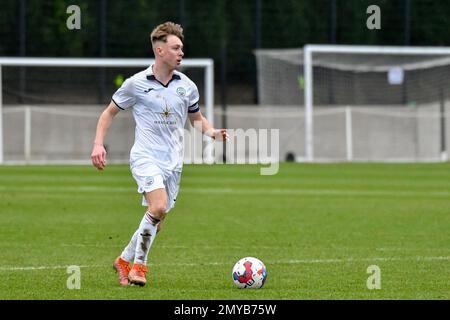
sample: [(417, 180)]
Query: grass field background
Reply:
[(317, 227)]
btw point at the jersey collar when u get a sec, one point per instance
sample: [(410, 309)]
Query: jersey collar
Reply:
[(151, 77)]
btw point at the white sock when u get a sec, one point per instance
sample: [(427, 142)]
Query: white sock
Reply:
[(128, 252), (146, 236)]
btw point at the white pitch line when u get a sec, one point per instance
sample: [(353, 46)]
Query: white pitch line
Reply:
[(411, 249), (94, 245), (237, 192), (45, 267), (218, 247), (418, 258), (301, 261), (213, 247)]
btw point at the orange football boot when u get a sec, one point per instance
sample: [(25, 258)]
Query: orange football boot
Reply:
[(137, 274), (122, 268)]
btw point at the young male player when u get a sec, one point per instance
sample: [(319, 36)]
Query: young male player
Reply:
[(161, 99)]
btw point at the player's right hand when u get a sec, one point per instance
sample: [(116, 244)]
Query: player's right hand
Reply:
[(98, 156)]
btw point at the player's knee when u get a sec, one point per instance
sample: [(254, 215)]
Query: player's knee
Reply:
[(158, 210)]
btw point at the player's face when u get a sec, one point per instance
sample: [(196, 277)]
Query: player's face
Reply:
[(172, 51)]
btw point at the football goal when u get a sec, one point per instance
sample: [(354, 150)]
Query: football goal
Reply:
[(49, 107), (361, 103)]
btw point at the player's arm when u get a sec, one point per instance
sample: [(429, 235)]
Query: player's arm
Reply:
[(98, 155), (199, 122)]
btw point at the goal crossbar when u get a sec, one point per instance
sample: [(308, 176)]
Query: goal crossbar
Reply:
[(207, 64)]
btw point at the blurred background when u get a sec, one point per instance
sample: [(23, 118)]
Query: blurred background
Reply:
[(239, 37), (226, 31)]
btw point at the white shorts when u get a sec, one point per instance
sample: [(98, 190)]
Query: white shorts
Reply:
[(150, 177)]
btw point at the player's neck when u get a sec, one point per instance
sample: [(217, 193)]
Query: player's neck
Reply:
[(162, 73)]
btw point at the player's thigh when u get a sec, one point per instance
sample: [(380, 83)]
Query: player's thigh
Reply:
[(150, 180), (157, 202)]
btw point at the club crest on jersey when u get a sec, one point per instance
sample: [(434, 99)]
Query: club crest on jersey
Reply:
[(181, 91), (149, 181)]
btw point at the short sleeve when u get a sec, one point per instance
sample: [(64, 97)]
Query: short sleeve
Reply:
[(124, 97), (194, 97)]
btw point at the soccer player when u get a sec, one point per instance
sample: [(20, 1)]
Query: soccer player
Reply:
[(161, 99)]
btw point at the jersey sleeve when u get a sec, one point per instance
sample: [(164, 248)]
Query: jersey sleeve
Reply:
[(194, 97), (125, 97)]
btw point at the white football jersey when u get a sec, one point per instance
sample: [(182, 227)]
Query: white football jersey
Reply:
[(160, 113)]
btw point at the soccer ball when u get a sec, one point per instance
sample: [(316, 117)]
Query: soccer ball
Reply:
[(249, 273)]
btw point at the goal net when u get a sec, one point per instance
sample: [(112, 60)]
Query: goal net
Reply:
[(361, 103), (49, 107)]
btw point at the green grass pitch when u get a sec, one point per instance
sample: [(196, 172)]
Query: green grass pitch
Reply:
[(317, 227)]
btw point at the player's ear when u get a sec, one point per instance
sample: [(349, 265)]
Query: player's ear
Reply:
[(157, 50)]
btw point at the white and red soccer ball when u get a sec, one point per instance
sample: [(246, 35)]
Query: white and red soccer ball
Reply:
[(249, 273)]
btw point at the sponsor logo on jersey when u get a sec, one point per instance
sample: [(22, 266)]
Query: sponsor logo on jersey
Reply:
[(166, 113)]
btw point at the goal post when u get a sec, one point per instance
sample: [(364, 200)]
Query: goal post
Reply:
[(408, 58), (206, 64)]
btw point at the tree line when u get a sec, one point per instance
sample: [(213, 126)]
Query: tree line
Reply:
[(220, 29)]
